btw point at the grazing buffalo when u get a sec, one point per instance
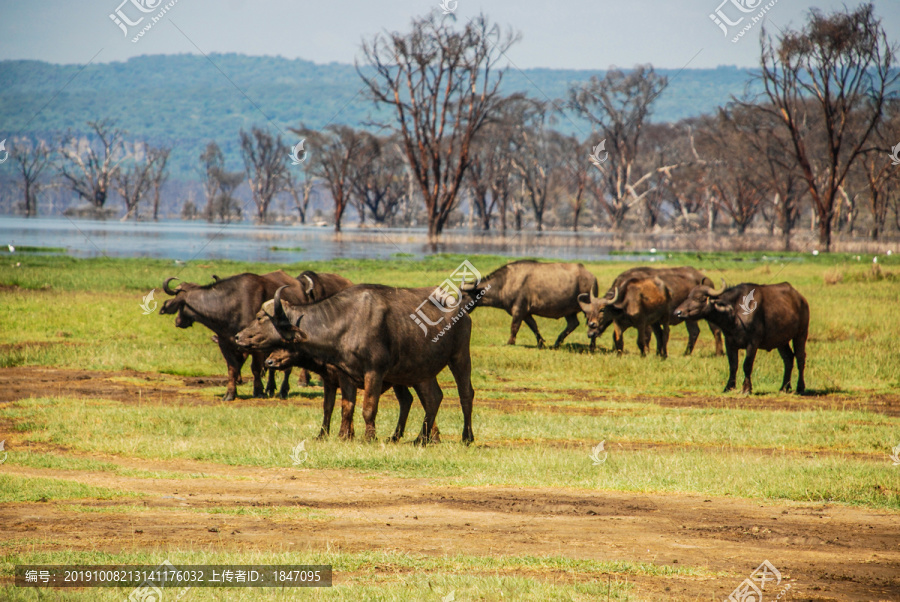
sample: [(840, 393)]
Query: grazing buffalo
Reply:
[(527, 288), (679, 282), (755, 316), (368, 332), (332, 378), (642, 303), (227, 306)]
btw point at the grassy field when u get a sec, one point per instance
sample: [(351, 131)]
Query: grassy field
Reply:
[(666, 425)]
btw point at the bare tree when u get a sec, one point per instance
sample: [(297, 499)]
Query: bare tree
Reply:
[(337, 150), (377, 179), (265, 161), (617, 107), (133, 179), (301, 190), (219, 186), (441, 84), (158, 174), (828, 83), (90, 171), (30, 158)]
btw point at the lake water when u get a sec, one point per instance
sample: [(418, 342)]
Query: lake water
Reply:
[(186, 241)]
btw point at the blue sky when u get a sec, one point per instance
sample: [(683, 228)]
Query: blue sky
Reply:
[(576, 34)]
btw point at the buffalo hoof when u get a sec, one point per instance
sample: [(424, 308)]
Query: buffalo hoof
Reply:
[(728, 388), (511, 342), (270, 393), (282, 394), (786, 389), (260, 395), (323, 434), (229, 396)]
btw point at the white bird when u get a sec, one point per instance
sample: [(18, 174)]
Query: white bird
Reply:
[(12, 249), (815, 251), (875, 259)]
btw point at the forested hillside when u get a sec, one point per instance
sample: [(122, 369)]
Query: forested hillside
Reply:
[(185, 101)]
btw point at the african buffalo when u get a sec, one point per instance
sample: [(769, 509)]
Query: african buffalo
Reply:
[(226, 306), (755, 316), (332, 378), (313, 287), (679, 281), (368, 332), (527, 288), (643, 303)]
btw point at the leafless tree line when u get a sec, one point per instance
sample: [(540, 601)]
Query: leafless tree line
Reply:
[(815, 140)]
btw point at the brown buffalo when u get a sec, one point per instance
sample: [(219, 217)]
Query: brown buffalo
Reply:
[(528, 288), (642, 303), (755, 316), (678, 280)]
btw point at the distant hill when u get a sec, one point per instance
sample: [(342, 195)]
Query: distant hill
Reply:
[(185, 101)]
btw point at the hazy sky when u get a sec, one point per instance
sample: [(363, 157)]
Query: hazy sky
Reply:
[(578, 34)]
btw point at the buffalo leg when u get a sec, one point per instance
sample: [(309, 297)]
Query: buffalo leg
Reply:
[(285, 384), (800, 355), (270, 382), (430, 394), (348, 405), (717, 335), (303, 381), (405, 399), (748, 369), (787, 356), (461, 367), (661, 332), (618, 339), (529, 320), (329, 392), (643, 338), (593, 344), (371, 394), (693, 332), (732, 352), (256, 367), (235, 360), (571, 325)]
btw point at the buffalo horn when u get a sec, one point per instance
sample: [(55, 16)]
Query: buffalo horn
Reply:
[(717, 292), (312, 285), (166, 286), (280, 316)]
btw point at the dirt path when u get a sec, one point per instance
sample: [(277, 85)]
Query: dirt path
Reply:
[(23, 382), (824, 552)]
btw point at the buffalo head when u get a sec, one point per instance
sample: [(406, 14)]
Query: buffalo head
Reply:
[(276, 324), (593, 308), (701, 301), (184, 315)]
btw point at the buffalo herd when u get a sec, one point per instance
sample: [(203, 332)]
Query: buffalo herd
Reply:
[(377, 337)]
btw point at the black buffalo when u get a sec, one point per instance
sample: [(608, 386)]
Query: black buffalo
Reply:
[(369, 333), (755, 316), (226, 306)]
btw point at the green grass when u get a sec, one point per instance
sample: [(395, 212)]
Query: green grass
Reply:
[(538, 414), (383, 575)]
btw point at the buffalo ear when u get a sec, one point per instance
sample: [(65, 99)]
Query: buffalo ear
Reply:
[(724, 308), (299, 334), (584, 300)]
